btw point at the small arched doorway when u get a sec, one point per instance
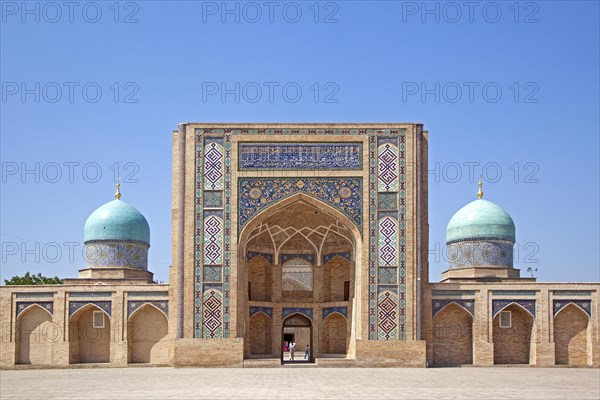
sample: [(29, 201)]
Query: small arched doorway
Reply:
[(297, 329)]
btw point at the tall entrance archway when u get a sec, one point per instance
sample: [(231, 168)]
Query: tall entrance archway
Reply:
[(297, 331), (298, 257)]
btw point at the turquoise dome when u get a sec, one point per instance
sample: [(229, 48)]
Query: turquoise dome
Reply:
[(116, 220), (480, 219)]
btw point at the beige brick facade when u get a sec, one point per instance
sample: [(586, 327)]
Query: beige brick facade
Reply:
[(251, 264)]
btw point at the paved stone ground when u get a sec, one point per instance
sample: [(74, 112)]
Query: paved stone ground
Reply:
[(295, 382)]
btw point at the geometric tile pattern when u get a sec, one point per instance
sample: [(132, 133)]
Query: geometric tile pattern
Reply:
[(212, 326), (162, 305), (387, 235), (327, 311), (213, 166), (300, 156), (388, 242), (387, 318), (265, 310), (213, 234), (103, 305), (387, 168), (256, 194), (438, 304), (585, 305), (377, 137), (499, 305), (46, 305), (213, 239)]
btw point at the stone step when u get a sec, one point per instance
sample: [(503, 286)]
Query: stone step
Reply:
[(334, 362), (262, 363)]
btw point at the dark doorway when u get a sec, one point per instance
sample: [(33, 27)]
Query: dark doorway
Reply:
[(297, 329)]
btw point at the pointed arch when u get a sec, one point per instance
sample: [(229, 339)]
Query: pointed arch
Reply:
[(147, 331), (29, 307), (33, 339), (572, 303), (456, 304), (512, 345), (282, 204), (571, 331), (260, 334), (334, 338), (515, 304), (452, 340), (146, 303), (85, 307)]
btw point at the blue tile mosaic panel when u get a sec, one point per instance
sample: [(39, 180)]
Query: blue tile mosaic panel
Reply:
[(46, 305), (499, 305), (300, 156), (345, 254), (162, 305), (343, 194), (106, 306), (585, 305), (287, 311), (266, 310), (327, 311), (439, 304), (266, 256)]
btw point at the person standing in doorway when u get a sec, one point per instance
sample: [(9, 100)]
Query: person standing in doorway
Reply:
[(292, 348), (306, 352)]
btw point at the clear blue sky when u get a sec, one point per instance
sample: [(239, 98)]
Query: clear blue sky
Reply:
[(381, 60)]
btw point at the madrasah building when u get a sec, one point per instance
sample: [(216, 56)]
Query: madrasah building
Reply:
[(309, 233)]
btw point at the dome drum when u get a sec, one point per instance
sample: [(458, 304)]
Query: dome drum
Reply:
[(473, 253), (116, 254)]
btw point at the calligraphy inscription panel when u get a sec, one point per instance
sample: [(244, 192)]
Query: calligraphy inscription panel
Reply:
[(300, 156)]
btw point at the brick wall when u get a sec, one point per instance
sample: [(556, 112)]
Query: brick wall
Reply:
[(570, 336)]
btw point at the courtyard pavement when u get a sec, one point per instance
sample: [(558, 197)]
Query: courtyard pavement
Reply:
[(295, 382)]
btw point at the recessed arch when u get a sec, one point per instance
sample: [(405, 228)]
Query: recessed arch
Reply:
[(334, 338), (260, 334), (33, 339), (512, 345), (452, 340), (147, 331), (571, 336), (89, 342)]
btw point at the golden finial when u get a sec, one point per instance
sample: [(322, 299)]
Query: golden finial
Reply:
[(480, 193), (118, 193)]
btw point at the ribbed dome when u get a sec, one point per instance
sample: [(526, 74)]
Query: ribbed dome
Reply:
[(116, 220), (480, 219)]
